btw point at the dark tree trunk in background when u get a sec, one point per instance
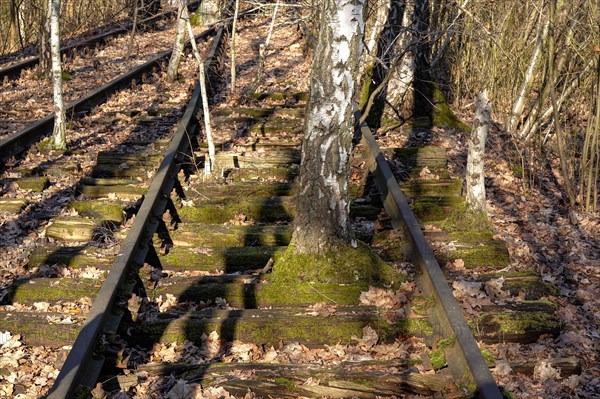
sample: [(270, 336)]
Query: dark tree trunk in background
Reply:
[(45, 66), (322, 217)]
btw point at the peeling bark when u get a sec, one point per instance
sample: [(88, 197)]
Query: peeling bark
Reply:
[(475, 158), (58, 140), (323, 206), (179, 43)]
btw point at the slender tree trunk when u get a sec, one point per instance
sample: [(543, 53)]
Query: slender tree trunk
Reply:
[(133, 30), (44, 53), (519, 104), (208, 166), (403, 72), (262, 52), (475, 157), (179, 42), (232, 45), (322, 215), (14, 31), (58, 140), (560, 137)]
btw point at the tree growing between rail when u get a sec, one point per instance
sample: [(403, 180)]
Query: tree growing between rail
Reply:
[(58, 141), (323, 206)]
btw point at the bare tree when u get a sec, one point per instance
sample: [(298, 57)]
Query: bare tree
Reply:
[(322, 217), (58, 140), (475, 158), (173, 67)]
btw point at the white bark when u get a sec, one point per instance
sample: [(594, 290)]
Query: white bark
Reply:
[(519, 104), (403, 73), (475, 158), (179, 42), (210, 163), (58, 140), (323, 206)]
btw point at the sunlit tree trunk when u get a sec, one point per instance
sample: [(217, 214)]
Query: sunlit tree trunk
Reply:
[(179, 42), (322, 215), (475, 158), (58, 140)]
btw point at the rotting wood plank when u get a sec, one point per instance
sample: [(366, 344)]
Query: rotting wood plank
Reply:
[(270, 326)]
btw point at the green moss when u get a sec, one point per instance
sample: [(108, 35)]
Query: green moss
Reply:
[(34, 183), (422, 304), (491, 254), (435, 209), (342, 265), (435, 188), (266, 211), (443, 115), (196, 19), (437, 358), (390, 245), (464, 219), (288, 384), (488, 357), (228, 260), (299, 293), (52, 290), (522, 322), (101, 210), (366, 88)]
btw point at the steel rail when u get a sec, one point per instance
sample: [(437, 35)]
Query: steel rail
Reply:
[(76, 370), (17, 142), (14, 70), (448, 311)]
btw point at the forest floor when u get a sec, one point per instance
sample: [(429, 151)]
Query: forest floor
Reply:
[(533, 221)]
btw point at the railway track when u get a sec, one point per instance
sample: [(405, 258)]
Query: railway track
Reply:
[(15, 68), (192, 274)]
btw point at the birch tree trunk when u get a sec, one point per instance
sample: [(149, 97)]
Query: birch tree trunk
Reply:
[(475, 158), (322, 214), (58, 140), (210, 163), (179, 43)]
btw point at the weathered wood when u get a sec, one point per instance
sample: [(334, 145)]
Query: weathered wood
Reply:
[(99, 210), (38, 329), (435, 209), (255, 113), (124, 170), (13, 205), (441, 188), (263, 210), (228, 260), (270, 326), (567, 366), (76, 257), (272, 160), (96, 181), (276, 174), (125, 192), (218, 236), (107, 157), (52, 290), (375, 377), (296, 97), (73, 229), (34, 183), (206, 193), (521, 327)]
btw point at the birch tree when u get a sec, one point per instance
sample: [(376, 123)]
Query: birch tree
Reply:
[(58, 140), (475, 173), (179, 42), (322, 215)]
